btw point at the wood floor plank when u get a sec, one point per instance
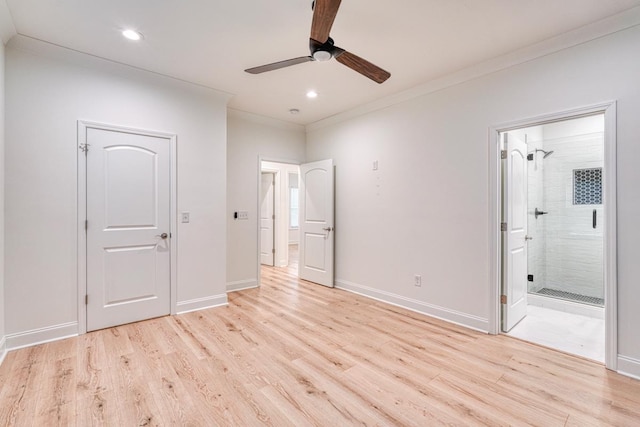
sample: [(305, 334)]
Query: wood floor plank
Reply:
[(20, 393), (293, 353), (488, 398), (132, 392), (57, 397)]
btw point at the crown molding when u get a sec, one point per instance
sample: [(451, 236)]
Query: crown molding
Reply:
[(585, 34), (264, 120), (86, 60)]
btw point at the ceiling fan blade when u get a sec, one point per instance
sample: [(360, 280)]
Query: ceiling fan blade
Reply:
[(278, 65), (324, 13), (362, 66)]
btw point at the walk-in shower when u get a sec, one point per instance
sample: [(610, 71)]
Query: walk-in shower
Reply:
[(565, 221)]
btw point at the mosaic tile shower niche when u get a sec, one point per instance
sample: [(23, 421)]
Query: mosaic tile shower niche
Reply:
[(587, 186)]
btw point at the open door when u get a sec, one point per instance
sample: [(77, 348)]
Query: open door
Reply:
[(316, 204), (267, 250), (514, 295)]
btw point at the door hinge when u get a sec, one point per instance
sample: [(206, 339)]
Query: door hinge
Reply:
[(503, 299), (503, 154), (84, 148), (503, 226), (86, 224), (273, 251), (86, 299)]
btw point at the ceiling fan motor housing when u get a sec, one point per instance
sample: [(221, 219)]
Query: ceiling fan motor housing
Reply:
[(322, 51)]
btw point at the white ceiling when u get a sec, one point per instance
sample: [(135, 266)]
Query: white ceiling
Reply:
[(211, 42)]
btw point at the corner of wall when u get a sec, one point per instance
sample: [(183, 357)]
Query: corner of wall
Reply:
[(3, 349), (7, 28), (629, 367), (202, 303), (241, 285)]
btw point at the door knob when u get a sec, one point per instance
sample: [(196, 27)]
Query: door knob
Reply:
[(163, 235), (328, 229), (528, 238)]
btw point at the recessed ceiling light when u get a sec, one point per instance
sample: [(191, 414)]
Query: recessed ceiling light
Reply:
[(132, 35), (312, 94)]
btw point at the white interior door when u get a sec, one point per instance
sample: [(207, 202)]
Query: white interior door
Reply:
[(267, 248), (128, 234), (515, 243), (316, 204)]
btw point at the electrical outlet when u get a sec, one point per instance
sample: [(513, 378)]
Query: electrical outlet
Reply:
[(417, 280), (185, 217), (375, 165)]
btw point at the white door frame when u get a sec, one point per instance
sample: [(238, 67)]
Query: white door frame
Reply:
[(83, 126), (276, 209), (610, 229), (275, 179)]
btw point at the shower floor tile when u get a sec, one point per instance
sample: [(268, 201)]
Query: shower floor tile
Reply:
[(571, 333)]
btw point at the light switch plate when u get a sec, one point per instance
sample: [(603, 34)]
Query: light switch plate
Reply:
[(185, 217)]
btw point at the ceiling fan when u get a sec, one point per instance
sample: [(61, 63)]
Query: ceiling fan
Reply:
[(321, 46)]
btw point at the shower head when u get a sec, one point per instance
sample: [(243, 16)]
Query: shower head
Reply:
[(546, 153)]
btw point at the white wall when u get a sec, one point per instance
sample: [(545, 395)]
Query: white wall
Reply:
[(2, 169), (47, 90), (7, 30), (251, 137), (425, 211)]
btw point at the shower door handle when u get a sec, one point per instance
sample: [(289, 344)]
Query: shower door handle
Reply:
[(537, 212), (594, 219)]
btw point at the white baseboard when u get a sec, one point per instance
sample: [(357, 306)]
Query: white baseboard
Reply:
[(41, 335), (462, 319), (566, 306), (201, 303), (3, 349), (629, 367), (241, 285)]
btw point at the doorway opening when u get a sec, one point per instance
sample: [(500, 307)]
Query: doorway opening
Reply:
[(279, 221), (304, 227), (556, 243)]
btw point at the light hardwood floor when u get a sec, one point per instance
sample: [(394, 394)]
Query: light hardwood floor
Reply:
[(294, 353)]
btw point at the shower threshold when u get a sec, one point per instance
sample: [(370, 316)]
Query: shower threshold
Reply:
[(570, 296)]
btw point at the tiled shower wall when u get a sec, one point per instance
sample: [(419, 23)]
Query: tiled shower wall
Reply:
[(567, 252)]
